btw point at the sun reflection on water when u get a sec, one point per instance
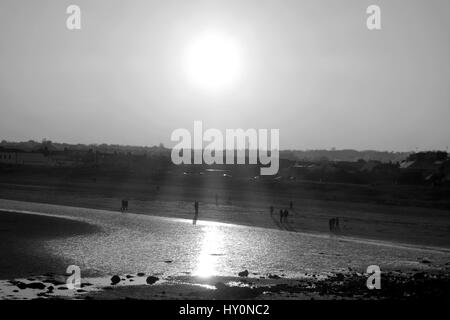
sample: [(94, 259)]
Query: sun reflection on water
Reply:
[(212, 247)]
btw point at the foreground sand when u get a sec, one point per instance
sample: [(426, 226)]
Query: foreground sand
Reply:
[(395, 285)]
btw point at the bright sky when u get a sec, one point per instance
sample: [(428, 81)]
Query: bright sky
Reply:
[(135, 71)]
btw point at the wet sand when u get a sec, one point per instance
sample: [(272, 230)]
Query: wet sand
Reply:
[(281, 264), (22, 239), (413, 225)]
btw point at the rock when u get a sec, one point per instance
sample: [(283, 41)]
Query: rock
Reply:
[(420, 275), (36, 285), (55, 282), (151, 279), (425, 260), (115, 279), (21, 285), (168, 261), (339, 277), (141, 274), (129, 276), (273, 276), (243, 273)]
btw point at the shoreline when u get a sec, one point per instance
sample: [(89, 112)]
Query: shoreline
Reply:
[(405, 283), (383, 243)]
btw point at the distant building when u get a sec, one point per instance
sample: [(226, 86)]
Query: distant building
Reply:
[(18, 157)]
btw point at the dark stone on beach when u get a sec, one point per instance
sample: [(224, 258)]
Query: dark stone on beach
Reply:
[(115, 279), (141, 274), (151, 279), (36, 285), (81, 290), (168, 261), (62, 288), (425, 260), (55, 282), (339, 277), (33, 285), (129, 276), (273, 276), (86, 284), (21, 285), (243, 273), (420, 275)]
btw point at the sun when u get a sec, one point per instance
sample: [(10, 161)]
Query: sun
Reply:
[(213, 61)]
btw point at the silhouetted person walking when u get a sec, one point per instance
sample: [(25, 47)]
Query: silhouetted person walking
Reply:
[(336, 224), (291, 205), (286, 213), (281, 215), (194, 221), (271, 209)]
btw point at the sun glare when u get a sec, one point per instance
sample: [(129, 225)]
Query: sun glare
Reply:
[(213, 61)]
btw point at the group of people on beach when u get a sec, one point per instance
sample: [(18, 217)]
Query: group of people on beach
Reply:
[(334, 224), (124, 206), (284, 213)]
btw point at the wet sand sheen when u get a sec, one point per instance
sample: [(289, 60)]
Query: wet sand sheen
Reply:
[(111, 243), (22, 238)]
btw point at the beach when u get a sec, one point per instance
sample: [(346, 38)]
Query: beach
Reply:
[(201, 261)]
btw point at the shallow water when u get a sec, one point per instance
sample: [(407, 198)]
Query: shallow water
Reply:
[(132, 243)]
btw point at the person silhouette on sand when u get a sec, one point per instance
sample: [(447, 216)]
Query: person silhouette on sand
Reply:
[(281, 215), (286, 213), (331, 224), (194, 221), (336, 224)]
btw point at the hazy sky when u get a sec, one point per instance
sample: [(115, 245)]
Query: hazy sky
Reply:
[(310, 68)]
